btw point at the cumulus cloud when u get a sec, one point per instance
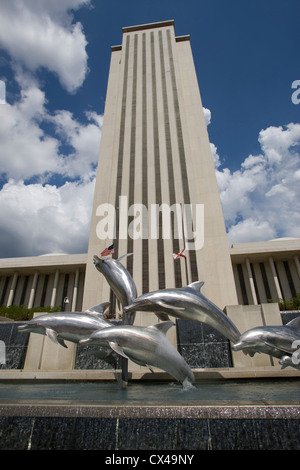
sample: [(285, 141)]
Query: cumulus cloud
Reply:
[(35, 144), (40, 33), (37, 219), (261, 200), (54, 150), (207, 115), (28, 149)]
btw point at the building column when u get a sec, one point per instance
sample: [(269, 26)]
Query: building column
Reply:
[(251, 282), (75, 291), (33, 288), (12, 290), (297, 264), (276, 281), (53, 297)]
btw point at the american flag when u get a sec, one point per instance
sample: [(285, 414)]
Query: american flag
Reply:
[(108, 251), (177, 255)]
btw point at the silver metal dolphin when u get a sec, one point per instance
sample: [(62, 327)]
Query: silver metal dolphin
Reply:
[(73, 327), (120, 282), (187, 303), (146, 346), (276, 341), (67, 326)]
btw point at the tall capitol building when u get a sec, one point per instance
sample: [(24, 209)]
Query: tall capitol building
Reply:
[(154, 152)]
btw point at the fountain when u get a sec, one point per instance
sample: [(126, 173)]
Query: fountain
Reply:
[(154, 410)]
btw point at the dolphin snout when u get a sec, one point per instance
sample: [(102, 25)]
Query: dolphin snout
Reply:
[(237, 346), (22, 327), (128, 308)]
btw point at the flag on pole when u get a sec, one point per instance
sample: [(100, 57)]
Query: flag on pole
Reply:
[(177, 255), (108, 251)]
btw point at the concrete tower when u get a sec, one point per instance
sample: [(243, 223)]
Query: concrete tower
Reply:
[(155, 154)]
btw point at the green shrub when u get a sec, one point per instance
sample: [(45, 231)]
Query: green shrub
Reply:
[(293, 304), (23, 313)]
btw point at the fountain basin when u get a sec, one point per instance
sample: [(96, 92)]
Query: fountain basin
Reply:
[(219, 413)]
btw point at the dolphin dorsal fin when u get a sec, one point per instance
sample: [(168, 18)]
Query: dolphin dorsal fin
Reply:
[(196, 285), (124, 256), (163, 326), (295, 323), (98, 309)]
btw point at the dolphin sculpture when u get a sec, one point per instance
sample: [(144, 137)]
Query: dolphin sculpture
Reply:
[(187, 303), (276, 341), (72, 326), (146, 346), (119, 280), (69, 326)]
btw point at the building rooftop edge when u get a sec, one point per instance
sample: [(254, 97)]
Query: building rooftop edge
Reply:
[(185, 37), (116, 48), (46, 259), (159, 24)]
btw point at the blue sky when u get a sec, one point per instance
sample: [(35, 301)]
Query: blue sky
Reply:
[(54, 61)]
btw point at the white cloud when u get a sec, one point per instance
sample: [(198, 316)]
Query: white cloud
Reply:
[(37, 145), (40, 33), (207, 115), (41, 218), (84, 140), (25, 149), (251, 230), (28, 150), (37, 219), (261, 200)]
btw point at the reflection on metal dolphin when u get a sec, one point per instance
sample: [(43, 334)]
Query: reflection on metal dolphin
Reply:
[(119, 280), (187, 303), (146, 346), (276, 341)]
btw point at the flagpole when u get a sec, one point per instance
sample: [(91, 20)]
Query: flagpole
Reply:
[(183, 241)]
